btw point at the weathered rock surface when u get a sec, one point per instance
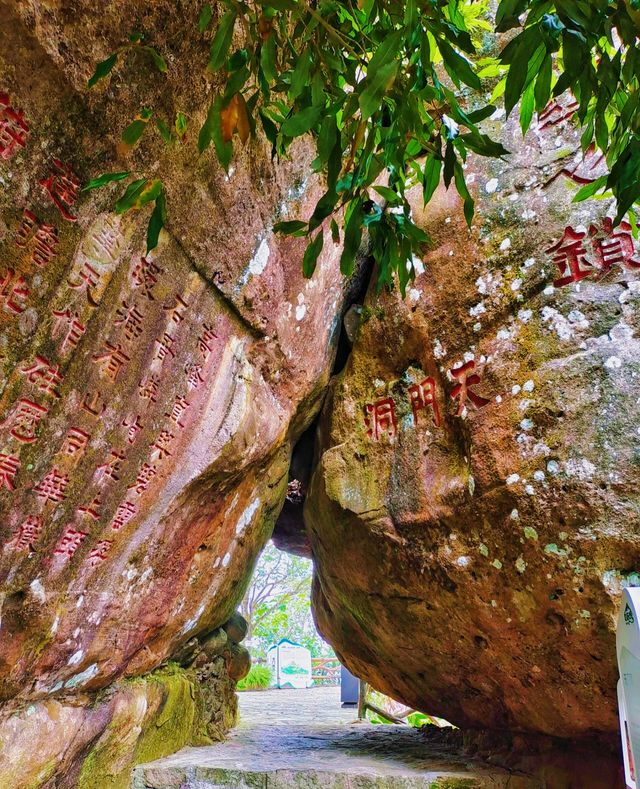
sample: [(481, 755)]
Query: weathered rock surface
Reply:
[(148, 405), (475, 508)]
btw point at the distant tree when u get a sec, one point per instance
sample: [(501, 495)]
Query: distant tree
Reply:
[(277, 604)]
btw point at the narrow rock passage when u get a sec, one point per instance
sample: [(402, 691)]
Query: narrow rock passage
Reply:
[(304, 739)]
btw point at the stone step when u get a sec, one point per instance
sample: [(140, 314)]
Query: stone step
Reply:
[(357, 756)]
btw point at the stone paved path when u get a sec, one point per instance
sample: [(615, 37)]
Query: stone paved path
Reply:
[(303, 739)]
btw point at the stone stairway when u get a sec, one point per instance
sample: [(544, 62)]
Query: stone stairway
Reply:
[(303, 740)]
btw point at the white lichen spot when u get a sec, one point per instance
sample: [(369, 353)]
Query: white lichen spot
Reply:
[(247, 516), (580, 468), (553, 467), (512, 479), (549, 290), (528, 386), (75, 658), (479, 309), (525, 315), (528, 214), (491, 186), (504, 334), (528, 489), (529, 262), (526, 424), (260, 259), (613, 363), (585, 614), (477, 327), (37, 590), (539, 475), (516, 389), (438, 350), (463, 561), (226, 559), (418, 265), (414, 295), (521, 565), (506, 244), (514, 515), (498, 398), (301, 311)]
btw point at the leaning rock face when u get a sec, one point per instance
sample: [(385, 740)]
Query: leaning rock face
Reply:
[(475, 508), (148, 403)]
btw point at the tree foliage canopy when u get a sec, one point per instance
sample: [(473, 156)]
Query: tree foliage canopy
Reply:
[(393, 93)]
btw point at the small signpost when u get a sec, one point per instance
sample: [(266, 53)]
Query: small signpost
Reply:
[(628, 649), (290, 665)]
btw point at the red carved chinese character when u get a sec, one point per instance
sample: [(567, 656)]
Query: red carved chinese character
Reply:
[(63, 188), (164, 347), (9, 466), (112, 359), (205, 341), (26, 419), (13, 128), (75, 328), (125, 512), (144, 477), (180, 405), (70, 541), (27, 535), (145, 276), (423, 395), (46, 243), (13, 291), (92, 404), (46, 237), (161, 445), (108, 239), (45, 376), (27, 227), (75, 441), (133, 428), (463, 390), (53, 486), (554, 113), (91, 510), (110, 469), (380, 417), (616, 248), (194, 375), (130, 318), (148, 388), (99, 553), (177, 309), (569, 254), (88, 278)]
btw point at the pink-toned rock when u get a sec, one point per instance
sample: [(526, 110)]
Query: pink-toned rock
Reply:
[(148, 403), (474, 512)]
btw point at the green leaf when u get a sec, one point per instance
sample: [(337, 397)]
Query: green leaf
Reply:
[(431, 177), (461, 187), (352, 237), (134, 131), (542, 91), (459, 68), (392, 198), (158, 61), (103, 69), (105, 178), (268, 55), (156, 221), (588, 190), (526, 107), (181, 124), (335, 232), (300, 76), (205, 17), (302, 121), (293, 227), (222, 41), (314, 248), (138, 194), (165, 131), (375, 86)]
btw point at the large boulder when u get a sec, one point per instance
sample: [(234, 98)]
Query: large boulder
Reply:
[(475, 508), (148, 403)]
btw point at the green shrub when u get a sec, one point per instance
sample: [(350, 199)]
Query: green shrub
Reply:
[(259, 678)]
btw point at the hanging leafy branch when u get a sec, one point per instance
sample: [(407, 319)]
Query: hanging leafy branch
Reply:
[(384, 88)]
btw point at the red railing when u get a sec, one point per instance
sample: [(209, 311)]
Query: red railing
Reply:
[(325, 671)]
